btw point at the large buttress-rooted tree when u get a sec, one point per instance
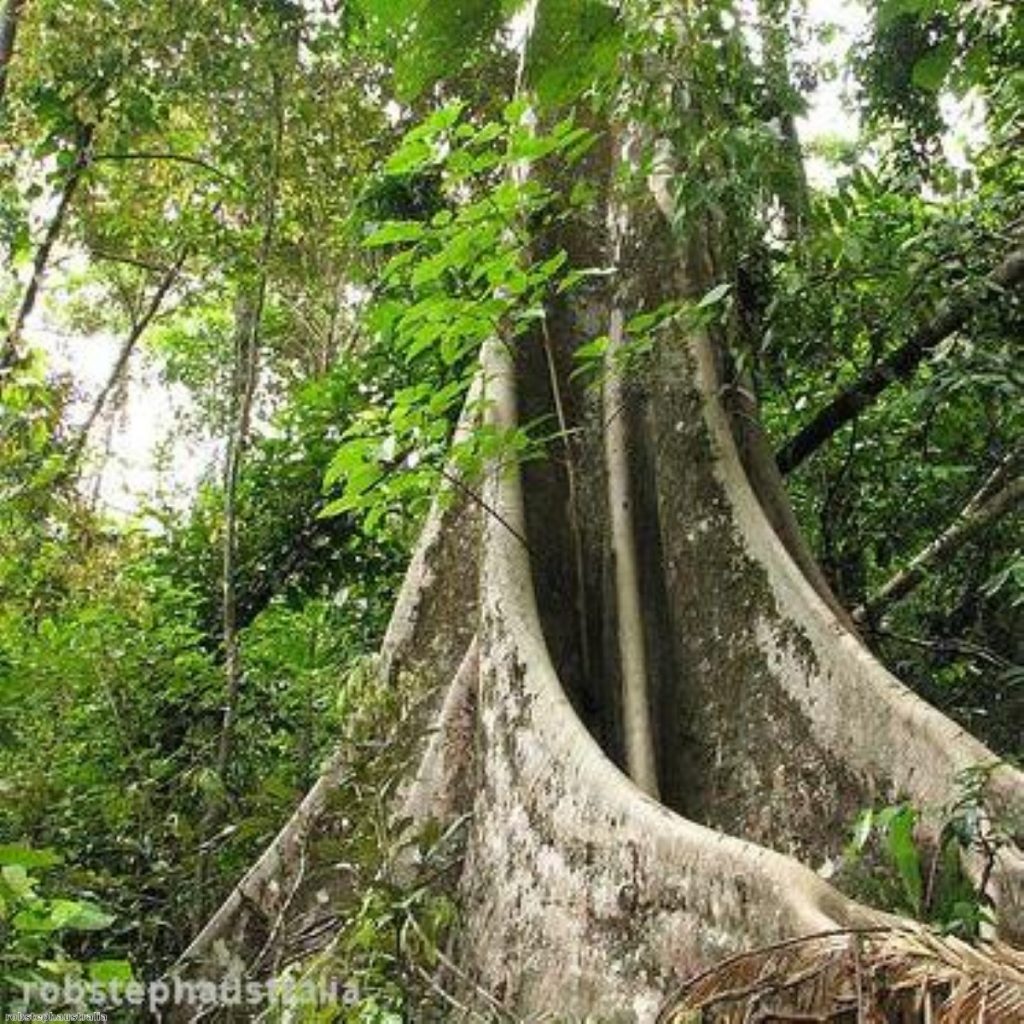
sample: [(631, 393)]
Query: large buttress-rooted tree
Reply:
[(694, 645)]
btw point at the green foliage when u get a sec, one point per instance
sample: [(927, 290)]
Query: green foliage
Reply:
[(714, 112), (40, 935), (428, 41), (878, 258), (394, 908), (574, 49), (915, 863), (110, 689), (450, 282), (271, 143), (919, 49)]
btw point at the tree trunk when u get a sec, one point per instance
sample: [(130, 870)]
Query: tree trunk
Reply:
[(244, 372), (10, 350), (9, 19), (249, 306), (118, 370), (248, 310), (771, 723)]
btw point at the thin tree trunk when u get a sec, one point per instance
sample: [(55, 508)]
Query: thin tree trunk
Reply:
[(249, 304), (248, 317), (10, 351), (139, 328), (898, 365), (9, 20), (995, 498), (248, 310)]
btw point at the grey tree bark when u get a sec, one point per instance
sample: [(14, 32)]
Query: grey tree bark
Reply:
[(771, 724), (580, 893)]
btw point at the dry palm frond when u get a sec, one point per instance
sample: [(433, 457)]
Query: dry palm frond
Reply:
[(905, 975)]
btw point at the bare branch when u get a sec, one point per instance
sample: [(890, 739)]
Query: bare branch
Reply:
[(181, 158), (945, 645), (123, 356), (996, 496), (128, 260)]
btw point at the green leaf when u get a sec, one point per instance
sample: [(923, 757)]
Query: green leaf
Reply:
[(861, 832), (904, 854), (437, 123), (79, 915), (34, 919), (410, 157), (349, 457), (574, 45), (17, 879), (27, 857), (394, 231), (930, 71), (442, 36), (890, 10), (514, 110), (550, 267), (592, 350), (104, 972)]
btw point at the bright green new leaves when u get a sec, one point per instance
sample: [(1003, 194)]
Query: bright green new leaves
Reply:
[(394, 231), (462, 273), (19, 855)]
